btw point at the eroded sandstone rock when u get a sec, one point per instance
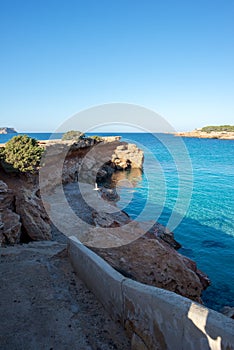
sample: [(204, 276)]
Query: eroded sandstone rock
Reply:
[(35, 221), (149, 259), (128, 155), (87, 160)]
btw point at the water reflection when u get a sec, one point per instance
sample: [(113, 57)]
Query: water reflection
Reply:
[(126, 179)]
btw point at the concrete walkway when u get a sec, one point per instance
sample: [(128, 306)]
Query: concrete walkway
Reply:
[(43, 305)]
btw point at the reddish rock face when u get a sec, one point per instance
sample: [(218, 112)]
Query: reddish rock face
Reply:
[(152, 259), (154, 262)]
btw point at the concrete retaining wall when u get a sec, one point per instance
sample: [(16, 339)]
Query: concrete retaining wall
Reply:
[(153, 317)]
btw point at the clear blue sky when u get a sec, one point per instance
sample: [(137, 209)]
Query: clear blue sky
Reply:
[(59, 57)]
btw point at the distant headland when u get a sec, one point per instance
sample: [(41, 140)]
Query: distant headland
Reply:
[(223, 132), (6, 130)]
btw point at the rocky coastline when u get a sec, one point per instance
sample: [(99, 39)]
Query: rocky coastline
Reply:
[(151, 259), (222, 135)]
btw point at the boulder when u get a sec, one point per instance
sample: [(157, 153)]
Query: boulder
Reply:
[(35, 221), (128, 155), (10, 225)]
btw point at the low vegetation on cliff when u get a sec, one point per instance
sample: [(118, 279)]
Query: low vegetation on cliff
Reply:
[(73, 135), (218, 128), (21, 153)]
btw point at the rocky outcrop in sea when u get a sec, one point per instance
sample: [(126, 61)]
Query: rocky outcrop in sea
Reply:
[(6, 130)]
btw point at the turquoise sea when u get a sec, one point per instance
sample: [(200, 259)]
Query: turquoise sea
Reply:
[(206, 230)]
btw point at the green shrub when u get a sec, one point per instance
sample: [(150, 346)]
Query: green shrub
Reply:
[(22, 153), (218, 128), (73, 135)]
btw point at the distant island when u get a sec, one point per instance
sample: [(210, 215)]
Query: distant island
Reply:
[(223, 132), (6, 130)]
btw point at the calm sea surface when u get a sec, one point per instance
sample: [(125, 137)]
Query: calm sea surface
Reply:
[(204, 224)]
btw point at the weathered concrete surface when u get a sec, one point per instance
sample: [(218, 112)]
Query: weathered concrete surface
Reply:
[(155, 318), (43, 305), (165, 320), (99, 277)]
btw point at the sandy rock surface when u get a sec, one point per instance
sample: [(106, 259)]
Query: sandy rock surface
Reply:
[(153, 261)]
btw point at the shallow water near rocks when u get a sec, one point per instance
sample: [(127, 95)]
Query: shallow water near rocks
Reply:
[(206, 230)]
